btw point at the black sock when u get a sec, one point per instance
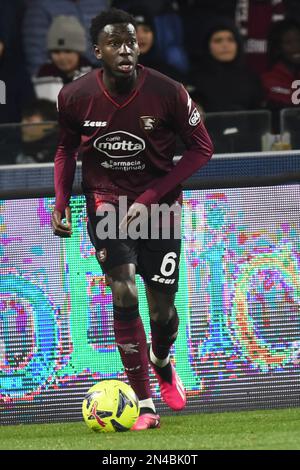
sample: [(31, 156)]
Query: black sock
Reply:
[(164, 372)]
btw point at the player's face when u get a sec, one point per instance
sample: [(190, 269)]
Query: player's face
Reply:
[(118, 49)]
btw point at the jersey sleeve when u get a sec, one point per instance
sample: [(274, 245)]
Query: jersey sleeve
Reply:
[(186, 116), (65, 157), (199, 149)]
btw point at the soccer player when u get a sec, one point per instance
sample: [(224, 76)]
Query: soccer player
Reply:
[(125, 119)]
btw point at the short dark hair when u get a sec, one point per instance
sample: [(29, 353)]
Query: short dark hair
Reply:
[(45, 108), (112, 16)]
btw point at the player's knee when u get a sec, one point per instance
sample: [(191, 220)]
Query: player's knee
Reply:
[(162, 314), (124, 292)]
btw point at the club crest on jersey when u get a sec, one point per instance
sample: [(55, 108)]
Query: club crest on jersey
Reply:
[(102, 255), (119, 144), (148, 123), (195, 117)]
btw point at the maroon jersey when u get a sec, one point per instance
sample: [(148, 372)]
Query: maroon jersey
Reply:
[(127, 142)]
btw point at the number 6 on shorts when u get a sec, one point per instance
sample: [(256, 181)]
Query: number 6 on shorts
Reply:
[(168, 264)]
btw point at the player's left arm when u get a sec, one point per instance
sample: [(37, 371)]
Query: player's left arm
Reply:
[(64, 170), (199, 149)]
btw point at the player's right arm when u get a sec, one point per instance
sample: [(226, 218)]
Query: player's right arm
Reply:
[(64, 169)]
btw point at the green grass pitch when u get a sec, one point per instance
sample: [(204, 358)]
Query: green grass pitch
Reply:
[(264, 429)]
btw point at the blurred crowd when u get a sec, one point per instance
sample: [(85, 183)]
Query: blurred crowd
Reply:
[(232, 55)]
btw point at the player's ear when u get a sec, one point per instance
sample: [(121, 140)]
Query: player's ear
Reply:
[(97, 51)]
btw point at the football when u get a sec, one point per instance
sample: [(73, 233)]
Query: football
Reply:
[(110, 406)]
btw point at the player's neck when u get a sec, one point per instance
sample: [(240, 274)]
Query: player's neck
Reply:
[(119, 86)]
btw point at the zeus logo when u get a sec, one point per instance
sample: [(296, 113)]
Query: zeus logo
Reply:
[(296, 94), (162, 280), (95, 124)]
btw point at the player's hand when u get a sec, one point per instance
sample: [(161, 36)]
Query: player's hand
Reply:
[(134, 211), (59, 228)]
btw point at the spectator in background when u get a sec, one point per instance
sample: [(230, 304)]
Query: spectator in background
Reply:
[(284, 57), (222, 81), (38, 18), (149, 52), (12, 65), (196, 14), (66, 42), (39, 132), (168, 29), (254, 18)]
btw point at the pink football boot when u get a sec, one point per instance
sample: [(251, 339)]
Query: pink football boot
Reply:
[(146, 421), (172, 392)]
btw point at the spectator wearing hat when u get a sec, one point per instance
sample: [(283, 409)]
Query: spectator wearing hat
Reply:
[(66, 44), (40, 14)]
